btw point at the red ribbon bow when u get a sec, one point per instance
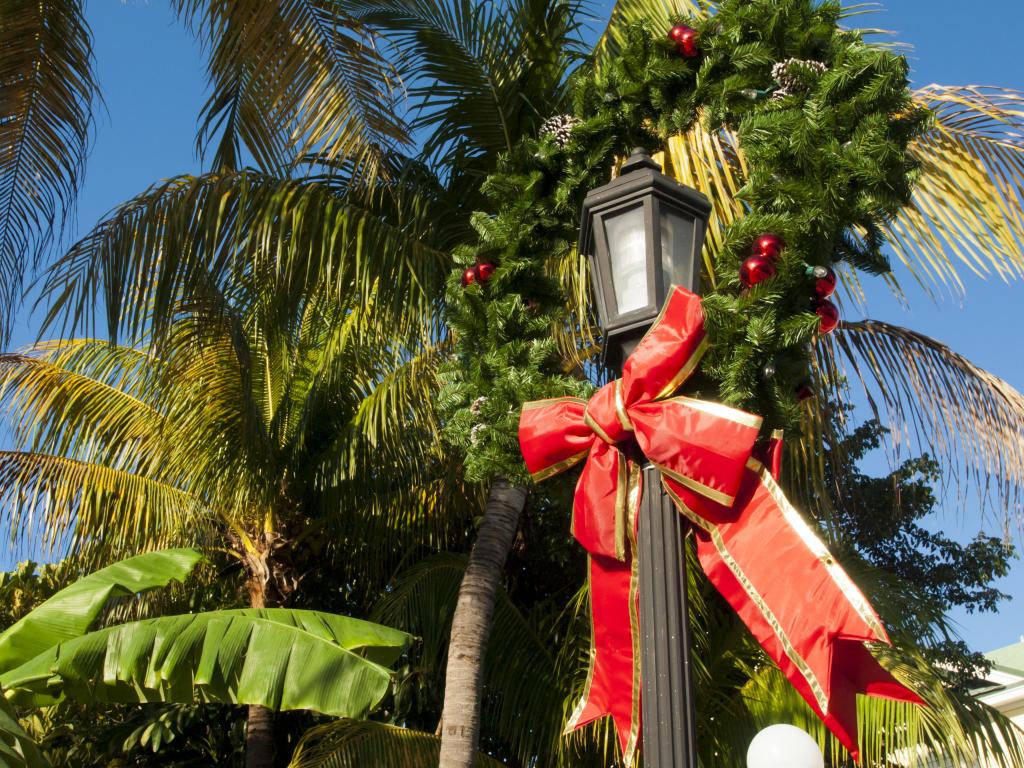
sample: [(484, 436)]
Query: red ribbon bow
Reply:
[(753, 545)]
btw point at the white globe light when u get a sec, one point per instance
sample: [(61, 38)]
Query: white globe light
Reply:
[(784, 746)]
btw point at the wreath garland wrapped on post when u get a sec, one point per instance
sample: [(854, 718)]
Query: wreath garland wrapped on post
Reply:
[(824, 121)]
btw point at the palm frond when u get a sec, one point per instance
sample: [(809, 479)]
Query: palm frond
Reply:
[(72, 504), (954, 727), (930, 394), (47, 87), (472, 98), (353, 744), (968, 205), (292, 76), (223, 235), (52, 408)]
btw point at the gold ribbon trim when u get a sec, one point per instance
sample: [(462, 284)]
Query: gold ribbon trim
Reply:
[(819, 550), (756, 598), (561, 466)]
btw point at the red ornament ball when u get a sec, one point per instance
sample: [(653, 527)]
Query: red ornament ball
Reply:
[(768, 245), (828, 314), (824, 282), (756, 269), (685, 39), (804, 391), (468, 277), (485, 271)]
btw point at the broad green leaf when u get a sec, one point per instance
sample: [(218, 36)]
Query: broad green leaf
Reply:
[(17, 750), (277, 658), (70, 612)]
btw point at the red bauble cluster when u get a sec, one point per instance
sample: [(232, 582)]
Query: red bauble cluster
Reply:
[(823, 285), (685, 39), (478, 273), (760, 265)]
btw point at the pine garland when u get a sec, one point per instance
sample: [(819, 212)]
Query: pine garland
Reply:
[(828, 166)]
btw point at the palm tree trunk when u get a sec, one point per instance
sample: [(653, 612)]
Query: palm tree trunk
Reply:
[(471, 625), (260, 744)]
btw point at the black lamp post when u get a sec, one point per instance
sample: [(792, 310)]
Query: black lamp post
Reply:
[(643, 233)]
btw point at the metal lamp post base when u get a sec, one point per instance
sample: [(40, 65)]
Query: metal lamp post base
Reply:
[(669, 723)]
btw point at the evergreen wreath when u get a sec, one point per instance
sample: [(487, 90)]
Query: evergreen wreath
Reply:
[(828, 164)]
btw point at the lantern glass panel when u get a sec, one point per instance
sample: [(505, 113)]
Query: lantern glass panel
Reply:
[(677, 238), (627, 247)]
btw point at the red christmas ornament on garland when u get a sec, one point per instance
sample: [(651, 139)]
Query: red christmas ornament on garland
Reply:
[(478, 273), (804, 391), (756, 269), (685, 39), (485, 271), (824, 282), (768, 245), (828, 314)]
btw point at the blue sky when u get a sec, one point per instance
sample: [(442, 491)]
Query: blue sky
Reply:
[(152, 75)]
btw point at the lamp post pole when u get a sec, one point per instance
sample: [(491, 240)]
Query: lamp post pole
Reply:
[(643, 233), (669, 722)]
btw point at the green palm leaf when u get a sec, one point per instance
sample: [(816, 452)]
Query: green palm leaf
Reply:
[(46, 88), (277, 658), (70, 612), (474, 99), (212, 242), (353, 744), (290, 76)]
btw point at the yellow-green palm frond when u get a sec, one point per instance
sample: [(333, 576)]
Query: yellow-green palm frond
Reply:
[(354, 743), (47, 87), (968, 205), (713, 164), (53, 405), (292, 76), (79, 506), (215, 241), (936, 398)]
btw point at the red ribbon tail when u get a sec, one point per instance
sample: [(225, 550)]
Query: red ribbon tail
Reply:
[(798, 603), (613, 681), (855, 670)]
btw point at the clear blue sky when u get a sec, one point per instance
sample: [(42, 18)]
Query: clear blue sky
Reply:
[(152, 75)]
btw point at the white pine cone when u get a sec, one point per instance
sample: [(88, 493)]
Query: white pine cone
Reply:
[(474, 433), (560, 128), (477, 405), (794, 75)]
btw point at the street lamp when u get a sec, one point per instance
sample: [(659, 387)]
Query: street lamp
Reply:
[(784, 746), (643, 233)]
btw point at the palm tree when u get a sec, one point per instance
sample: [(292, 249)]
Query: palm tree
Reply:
[(281, 404)]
